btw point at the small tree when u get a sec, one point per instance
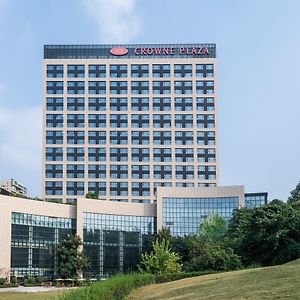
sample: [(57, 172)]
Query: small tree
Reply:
[(160, 260), (213, 228), (71, 259), (92, 195)]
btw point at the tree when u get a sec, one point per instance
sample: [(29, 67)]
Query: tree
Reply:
[(186, 247), (294, 199), (71, 259), (92, 195), (213, 228), (215, 257), (160, 260), (149, 240), (164, 234), (199, 254), (295, 194), (267, 235)]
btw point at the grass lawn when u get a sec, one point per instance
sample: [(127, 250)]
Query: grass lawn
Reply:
[(278, 282), (29, 296)]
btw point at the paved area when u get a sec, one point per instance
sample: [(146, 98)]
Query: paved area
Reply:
[(32, 289)]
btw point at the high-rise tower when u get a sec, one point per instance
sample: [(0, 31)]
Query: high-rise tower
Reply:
[(121, 120)]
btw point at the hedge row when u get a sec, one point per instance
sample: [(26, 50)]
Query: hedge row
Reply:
[(118, 287), (8, 285), (166, 277), (115, 288)]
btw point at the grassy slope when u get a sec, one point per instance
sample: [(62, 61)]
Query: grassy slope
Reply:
[(278, 282)]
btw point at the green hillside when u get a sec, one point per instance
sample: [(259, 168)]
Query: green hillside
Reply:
[(277, 282)]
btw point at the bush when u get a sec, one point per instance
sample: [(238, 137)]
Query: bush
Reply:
[(115, 288), (8, 285), (13, 280), (2, 281), (32, 281), (39, 279), (166, 277), (216, 258)]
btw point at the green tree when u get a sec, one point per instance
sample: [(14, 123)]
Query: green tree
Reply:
[(213, 256), (186, 247), (71, 259), (164, 234), (213, 228), (267, 235), (92, 195), (160, 260), (294, 199)]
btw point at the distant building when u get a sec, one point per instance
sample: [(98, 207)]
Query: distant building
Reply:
[(13, 186)]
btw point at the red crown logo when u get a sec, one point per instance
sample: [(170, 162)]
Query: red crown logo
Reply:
[(118, 51)]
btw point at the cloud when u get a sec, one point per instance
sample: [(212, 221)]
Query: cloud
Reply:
[(118, 20), (21, 144)]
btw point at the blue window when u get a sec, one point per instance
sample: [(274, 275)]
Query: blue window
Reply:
[(55, 71), (75, 87), (55, 87)]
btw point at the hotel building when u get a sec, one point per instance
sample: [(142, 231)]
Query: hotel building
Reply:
[(122, 120), (137, 125)]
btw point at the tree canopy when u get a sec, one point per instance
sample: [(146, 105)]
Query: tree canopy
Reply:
[(268, 235), (213, 228)]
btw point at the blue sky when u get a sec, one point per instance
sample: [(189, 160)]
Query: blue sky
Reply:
[(258, 46)]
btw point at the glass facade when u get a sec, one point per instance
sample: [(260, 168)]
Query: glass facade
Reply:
[(184, 215), (113, 243), (255, 199), (34, 240)]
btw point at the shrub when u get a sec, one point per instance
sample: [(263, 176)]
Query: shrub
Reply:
[(8, 285), (13, 280), (31, 280), (115, 288), (2, 281), (166, 277), (216, 258), (39, 279)]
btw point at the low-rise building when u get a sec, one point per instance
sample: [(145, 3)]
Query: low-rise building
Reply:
[(113, 233)]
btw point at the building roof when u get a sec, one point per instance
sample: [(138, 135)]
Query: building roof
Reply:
[(192, 50)]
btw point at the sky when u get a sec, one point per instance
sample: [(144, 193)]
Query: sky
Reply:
[(258, 44)]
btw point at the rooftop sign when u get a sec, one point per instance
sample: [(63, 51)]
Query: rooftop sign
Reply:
[(130, 51), (171, 51)]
